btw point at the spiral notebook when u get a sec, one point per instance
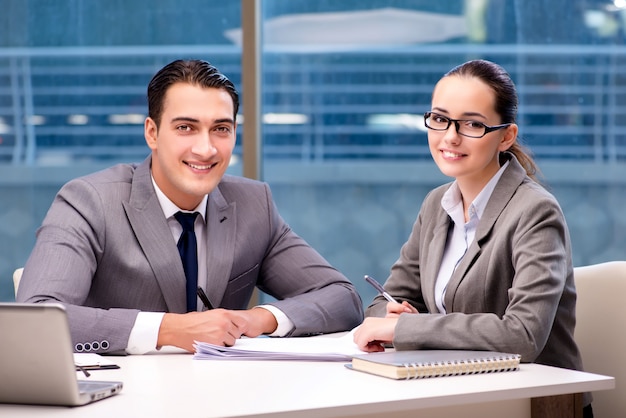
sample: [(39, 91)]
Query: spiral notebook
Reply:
[(421, 364)]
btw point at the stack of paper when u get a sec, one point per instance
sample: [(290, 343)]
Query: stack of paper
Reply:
[(317, 348)]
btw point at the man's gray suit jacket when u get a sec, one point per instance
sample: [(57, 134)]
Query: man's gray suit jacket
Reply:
[(105, 251)]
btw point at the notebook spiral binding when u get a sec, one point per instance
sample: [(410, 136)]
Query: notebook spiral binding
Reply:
[(456, 368)]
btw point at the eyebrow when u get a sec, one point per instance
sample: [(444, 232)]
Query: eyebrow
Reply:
[(184, 119), (189, 119), (465, 115)]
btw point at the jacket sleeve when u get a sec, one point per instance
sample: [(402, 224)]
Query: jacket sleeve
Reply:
[(315, 296), (63, 262)]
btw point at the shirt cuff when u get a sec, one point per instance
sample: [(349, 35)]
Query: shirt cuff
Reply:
[(285, 326), (145, 333)]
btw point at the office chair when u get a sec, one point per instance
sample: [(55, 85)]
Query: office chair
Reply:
[(601, 332), (17, 276)]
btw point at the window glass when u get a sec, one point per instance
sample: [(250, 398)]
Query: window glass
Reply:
[(73, 78), (346, 85)]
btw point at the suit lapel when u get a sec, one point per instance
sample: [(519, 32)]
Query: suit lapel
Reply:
[(220, 245), (432, 260), (510, 180), (155, 238)]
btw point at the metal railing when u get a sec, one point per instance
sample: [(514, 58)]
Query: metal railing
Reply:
[(64, 104)]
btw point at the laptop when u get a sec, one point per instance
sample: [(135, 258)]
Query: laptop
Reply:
[(37, 361)]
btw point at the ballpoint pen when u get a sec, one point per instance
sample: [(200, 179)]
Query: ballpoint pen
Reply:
[(380, 289), (203, 297)]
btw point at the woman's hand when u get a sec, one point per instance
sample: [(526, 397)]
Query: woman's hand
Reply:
[(374, 333), (395, 309)]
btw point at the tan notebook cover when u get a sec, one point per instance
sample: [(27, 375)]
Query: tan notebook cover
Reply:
[(420, 364)]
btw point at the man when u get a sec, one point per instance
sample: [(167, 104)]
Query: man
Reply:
[(107, 248)]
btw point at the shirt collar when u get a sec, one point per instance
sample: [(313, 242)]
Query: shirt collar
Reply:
[(452, 201), (169, 208)]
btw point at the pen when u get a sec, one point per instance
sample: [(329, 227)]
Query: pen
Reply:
[(204, 298), (82, 369), (380, 289)]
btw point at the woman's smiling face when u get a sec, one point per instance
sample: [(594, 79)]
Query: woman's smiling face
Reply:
[(461, 157)]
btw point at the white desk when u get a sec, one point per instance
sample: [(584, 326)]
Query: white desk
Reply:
[(176, 385)]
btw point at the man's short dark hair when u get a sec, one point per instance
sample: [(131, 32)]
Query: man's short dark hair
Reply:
[(194, 72)]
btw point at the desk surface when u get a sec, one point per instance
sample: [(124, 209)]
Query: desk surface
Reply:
[(167, 385)]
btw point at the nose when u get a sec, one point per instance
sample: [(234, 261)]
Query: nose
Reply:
[(452, 134), (203, 145)]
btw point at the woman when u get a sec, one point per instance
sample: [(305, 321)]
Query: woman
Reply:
[(488, 264)]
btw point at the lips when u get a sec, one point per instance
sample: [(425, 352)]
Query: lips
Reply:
[(201, 167), (450, 154)]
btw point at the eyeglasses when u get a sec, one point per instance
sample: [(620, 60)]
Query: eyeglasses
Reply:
[(469, 128)]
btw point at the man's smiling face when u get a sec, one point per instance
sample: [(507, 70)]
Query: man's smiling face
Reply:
[(191, 148)]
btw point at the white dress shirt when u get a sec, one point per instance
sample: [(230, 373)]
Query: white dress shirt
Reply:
[(462, 233)]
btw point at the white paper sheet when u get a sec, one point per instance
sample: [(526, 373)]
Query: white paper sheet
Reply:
[(319, 348)]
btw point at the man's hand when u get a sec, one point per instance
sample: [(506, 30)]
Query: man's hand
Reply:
[(217, 326), (258, 320)]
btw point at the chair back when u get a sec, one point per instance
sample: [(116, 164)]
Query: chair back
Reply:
[(17, 276), (601, 330)]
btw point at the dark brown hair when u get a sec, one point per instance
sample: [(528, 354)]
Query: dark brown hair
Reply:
[(506, 102), (195, 72)]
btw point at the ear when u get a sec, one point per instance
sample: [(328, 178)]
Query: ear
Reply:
[(509, 137), (150, 133)]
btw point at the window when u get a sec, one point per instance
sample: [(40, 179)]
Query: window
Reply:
[(344, 88), (73, 78), (349, 164)]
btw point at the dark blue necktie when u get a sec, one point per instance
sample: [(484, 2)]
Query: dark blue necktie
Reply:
[(188, 249)]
